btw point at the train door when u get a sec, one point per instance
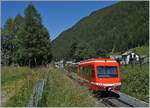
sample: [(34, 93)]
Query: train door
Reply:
[(74, 71), (92, 73), (87, 75), (70, 71), (92, 76), (81, 74)]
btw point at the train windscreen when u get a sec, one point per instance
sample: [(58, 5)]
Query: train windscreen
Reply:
[(107, 71)]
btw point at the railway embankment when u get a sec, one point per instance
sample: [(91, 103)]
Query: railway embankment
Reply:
[(61, 91)]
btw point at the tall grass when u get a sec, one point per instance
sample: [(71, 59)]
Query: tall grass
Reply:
[(12, 80), (135, 81), (60, 91), (18, 83), (11, 75)]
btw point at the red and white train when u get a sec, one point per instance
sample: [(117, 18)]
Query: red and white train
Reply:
[(98, 74)]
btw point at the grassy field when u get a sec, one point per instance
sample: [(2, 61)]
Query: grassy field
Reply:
[(17, 84), (135, 81), (61, 91)]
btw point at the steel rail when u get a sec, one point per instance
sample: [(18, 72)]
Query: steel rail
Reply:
[(131, 100), (123, 100), (114, 102)]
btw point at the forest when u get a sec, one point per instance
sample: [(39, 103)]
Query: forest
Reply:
[(117, 28), (122, 26)]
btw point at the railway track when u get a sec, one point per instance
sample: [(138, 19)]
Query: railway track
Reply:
[(110, 99), (116, 99), (114, 102)]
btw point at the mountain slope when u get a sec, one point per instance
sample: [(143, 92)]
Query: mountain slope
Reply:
[(119, 27)]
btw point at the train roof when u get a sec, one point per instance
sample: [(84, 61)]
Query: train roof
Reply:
[(95, 59), (99, 60)]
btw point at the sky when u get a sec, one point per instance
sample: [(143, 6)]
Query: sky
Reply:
[(57, 16)]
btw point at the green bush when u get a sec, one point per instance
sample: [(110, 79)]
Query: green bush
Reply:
[(135, 81)]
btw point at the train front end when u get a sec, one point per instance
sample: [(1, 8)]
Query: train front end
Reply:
[(108, 75)]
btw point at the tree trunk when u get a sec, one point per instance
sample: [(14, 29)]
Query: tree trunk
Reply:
[(35, 61)]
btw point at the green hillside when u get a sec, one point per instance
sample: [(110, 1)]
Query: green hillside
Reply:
[(116, 28), (141, 50)]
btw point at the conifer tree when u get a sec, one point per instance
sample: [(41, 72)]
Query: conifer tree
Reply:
[(7, 39), (34, 40)]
